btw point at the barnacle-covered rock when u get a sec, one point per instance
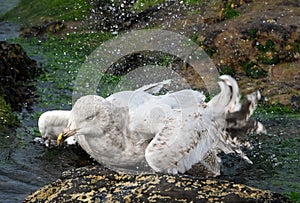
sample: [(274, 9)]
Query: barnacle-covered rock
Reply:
[(96, 184)]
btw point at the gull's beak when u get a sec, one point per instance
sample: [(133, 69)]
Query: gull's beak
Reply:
[(65, 135)]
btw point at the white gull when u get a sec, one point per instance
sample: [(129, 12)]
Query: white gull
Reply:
[(167, 133)]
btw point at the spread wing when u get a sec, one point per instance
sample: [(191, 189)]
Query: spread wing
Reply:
[(183, 143), (189, 139)]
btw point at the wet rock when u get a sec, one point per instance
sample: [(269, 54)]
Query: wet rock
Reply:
[(259, 48), (295, 100), (121, 15), (97, 184), (44, 29), (172, 15), (17, 70)]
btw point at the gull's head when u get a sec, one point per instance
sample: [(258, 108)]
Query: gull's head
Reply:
[(90, 116)]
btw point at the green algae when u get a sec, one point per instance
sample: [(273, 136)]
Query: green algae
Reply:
[(293, 196), (229, 12), (7, 118), (37, 11), (61, 59), (253, 70), (227, 70)]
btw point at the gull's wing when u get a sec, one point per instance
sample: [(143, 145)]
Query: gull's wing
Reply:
[(148, 112), (196, 135), (184, 141), (193, 138), (182, 99), (239, 119), (122, 99)]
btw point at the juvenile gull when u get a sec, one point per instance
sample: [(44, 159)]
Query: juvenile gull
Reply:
[(167, 133)]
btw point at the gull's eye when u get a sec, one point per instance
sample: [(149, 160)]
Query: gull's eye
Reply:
[(90, 117)]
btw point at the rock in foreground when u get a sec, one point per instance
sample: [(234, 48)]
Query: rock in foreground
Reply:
[(95, 184)]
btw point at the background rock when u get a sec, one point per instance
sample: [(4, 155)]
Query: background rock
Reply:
[(256, 42), (17, 70)]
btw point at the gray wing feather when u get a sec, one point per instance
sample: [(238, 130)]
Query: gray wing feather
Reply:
[(183, 143)]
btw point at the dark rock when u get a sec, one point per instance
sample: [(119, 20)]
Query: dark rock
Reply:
[(97, 184), (295, 101), (17, 70), (43, 29), (108, 16), (120, 15)]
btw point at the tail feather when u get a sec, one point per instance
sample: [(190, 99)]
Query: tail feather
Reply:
[(252, 126), (237, 114), (239, 119)]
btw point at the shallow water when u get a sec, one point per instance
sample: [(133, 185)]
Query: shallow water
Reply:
[(7, 5), (275, 156), (26, 166), (8, 30)]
